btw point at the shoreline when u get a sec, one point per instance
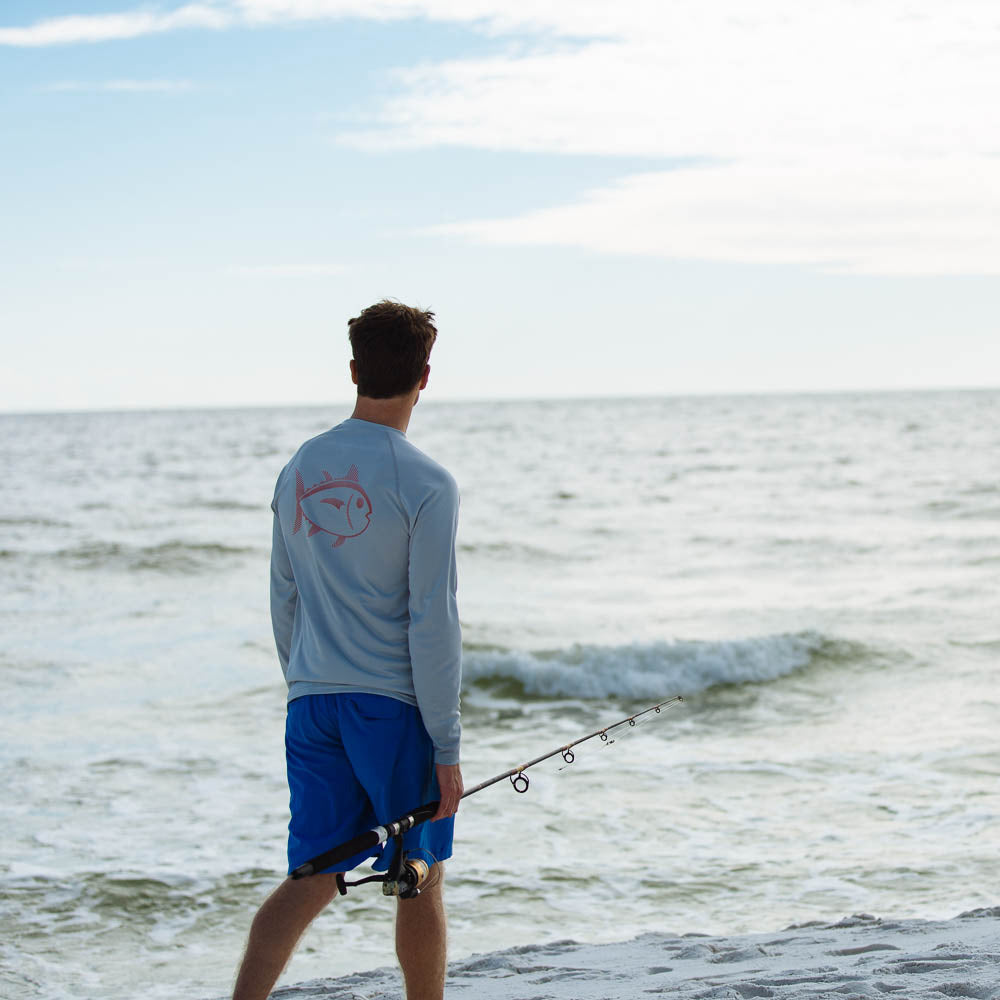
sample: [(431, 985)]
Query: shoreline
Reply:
[(861, 956)]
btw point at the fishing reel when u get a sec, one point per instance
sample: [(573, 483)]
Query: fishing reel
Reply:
[(406, 885), (404, 879)]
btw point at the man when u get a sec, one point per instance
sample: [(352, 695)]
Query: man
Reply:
[(363, 607)]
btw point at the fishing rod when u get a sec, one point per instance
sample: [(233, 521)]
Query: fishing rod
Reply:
[(406, 875)]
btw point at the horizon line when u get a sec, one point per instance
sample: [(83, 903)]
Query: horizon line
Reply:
[(493, 400)]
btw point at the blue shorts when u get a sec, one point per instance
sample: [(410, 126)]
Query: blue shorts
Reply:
[(356, 761)]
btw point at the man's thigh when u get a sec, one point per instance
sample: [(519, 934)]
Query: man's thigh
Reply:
[(328, 804)]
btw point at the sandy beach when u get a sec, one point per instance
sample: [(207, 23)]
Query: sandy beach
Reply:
[(861, 956)]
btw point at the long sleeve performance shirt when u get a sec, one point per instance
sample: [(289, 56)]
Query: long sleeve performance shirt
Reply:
[(363, 575)]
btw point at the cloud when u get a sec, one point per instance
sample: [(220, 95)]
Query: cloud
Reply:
[(491, 15), (885, 217), (113, 27), (584, 18), (686, 79)]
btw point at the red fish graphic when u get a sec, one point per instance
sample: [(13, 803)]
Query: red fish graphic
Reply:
[(340, 507)]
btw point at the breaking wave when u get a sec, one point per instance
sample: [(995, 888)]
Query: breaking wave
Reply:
[(650, 670)]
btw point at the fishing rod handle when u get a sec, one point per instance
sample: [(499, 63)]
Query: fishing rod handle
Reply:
[(365, 841)]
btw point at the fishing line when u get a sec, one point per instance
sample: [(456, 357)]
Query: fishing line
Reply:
[(401, 878)]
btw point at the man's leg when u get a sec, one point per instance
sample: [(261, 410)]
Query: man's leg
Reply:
[(276, 929), (421, 945)]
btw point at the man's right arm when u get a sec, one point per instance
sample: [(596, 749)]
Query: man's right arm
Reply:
[(284, 595)]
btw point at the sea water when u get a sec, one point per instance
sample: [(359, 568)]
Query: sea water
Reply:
[(818, 576)]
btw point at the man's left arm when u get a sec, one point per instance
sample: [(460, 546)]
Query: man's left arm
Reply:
[(435, 635)]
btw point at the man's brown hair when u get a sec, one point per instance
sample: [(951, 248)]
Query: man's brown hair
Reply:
[(391, 344)]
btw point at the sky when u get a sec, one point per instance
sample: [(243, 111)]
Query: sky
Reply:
[(596, 198)]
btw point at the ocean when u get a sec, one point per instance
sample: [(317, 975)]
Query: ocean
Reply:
[(817, 575)]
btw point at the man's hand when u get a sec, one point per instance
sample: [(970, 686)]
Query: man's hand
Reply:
[(449, 778)]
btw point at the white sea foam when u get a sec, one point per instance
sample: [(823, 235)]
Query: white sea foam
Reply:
[(647, 670), (861, 956)]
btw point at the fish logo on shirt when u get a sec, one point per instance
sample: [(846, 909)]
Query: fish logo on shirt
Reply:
[(340, 507)]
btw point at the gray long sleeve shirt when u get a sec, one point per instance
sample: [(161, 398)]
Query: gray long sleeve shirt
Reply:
[(363, 575)]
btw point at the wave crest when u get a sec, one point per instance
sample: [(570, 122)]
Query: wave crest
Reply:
[(175, 556), (650, 670)]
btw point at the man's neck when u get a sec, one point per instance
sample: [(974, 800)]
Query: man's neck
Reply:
[(392, 412)]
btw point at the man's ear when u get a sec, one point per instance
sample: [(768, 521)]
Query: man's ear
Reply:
[(354, 371), (423, 378)]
